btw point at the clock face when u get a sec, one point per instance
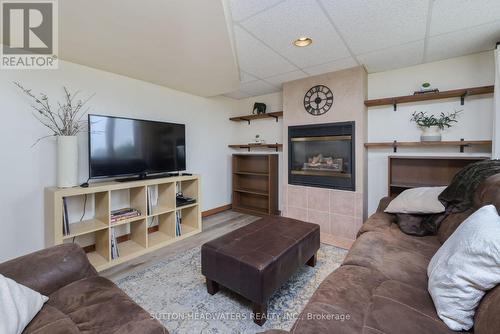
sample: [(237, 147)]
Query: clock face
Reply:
[(318, 100)]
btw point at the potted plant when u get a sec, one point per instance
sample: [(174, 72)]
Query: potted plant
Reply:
[(431, 125), (65, 123), (258, 140)]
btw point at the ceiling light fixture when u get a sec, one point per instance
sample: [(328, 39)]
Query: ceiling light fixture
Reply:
[(302, 41)]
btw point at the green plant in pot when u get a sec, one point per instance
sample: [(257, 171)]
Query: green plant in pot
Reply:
[(432, 125)]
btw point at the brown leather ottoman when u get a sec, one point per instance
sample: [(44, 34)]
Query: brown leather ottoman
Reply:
[(257, 259)]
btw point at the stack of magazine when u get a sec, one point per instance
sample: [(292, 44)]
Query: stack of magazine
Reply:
[(124, 213), (65, 218), (115, 253), (178, 223)]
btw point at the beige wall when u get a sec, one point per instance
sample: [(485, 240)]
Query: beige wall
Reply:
[(338, 212)]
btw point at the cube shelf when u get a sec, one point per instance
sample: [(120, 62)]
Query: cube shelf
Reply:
[(96, 244), (153, 229), (165, 198), (165, 232)]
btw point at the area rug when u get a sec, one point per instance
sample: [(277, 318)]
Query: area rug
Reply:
[(174, 292)]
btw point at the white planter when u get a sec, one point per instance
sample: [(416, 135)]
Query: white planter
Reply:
[(432, 133), (67, 161)]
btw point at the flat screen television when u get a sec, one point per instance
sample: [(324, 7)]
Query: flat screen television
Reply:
[(125, 147)]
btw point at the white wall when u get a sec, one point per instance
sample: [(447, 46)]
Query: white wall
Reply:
[(25, 171), (384, 124)]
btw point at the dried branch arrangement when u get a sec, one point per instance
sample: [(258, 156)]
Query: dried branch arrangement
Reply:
[(67, 120)]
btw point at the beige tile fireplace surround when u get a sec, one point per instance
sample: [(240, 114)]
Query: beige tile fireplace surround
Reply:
[(339, 213)]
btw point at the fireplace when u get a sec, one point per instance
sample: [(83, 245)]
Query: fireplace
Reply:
[(322, 155)]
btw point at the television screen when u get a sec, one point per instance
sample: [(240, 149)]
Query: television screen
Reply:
[(124, 146)]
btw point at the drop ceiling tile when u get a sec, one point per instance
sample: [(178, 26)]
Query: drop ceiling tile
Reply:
[(333, 66), (452, 15), (259, 87), (373, 25), (241, 9), (237, 95), (279, 26), (278, 80), (463, 42), (247, 77), (256, 58), (395, 57)]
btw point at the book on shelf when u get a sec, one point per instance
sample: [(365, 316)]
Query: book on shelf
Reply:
[(178, 224), (115, 253), (65, 217), (124, 213)]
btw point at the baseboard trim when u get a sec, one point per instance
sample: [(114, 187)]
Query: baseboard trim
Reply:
[(214, 211), (336, 241)]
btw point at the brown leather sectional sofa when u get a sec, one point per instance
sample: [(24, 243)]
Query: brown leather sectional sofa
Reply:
[(79, 299), (381, 286)]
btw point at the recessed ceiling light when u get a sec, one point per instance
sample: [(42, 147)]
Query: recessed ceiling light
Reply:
[(302, 41)]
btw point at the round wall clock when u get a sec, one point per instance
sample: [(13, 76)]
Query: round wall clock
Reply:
[(318, 100)]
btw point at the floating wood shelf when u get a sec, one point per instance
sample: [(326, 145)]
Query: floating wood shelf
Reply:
[(248, 118), (461, 143), (462, 93), (277, 147)]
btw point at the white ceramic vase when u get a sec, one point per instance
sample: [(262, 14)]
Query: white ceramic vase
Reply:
[(67, 161), (432, 133)]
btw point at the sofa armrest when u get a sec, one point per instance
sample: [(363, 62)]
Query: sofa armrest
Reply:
[(486, 320), (384, 202), (48, 270)]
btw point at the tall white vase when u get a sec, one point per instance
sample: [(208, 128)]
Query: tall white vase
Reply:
[(67, 161)]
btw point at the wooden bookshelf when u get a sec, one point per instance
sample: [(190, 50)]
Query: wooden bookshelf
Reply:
[(407, 172), (462, 93), (459, 143), (247, 118), (142, 234), (255, 183)]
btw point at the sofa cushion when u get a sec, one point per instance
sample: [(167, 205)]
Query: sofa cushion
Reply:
[(18, 305), (488, 192), (450, 224), (379, 221), (394, 254), (422, 200), (345, 293), (486, 320), (95, 305), (398, 307), (465, 267), (49, 269), (51, 320)]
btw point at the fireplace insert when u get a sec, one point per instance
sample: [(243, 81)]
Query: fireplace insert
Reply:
[(322, 155)]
